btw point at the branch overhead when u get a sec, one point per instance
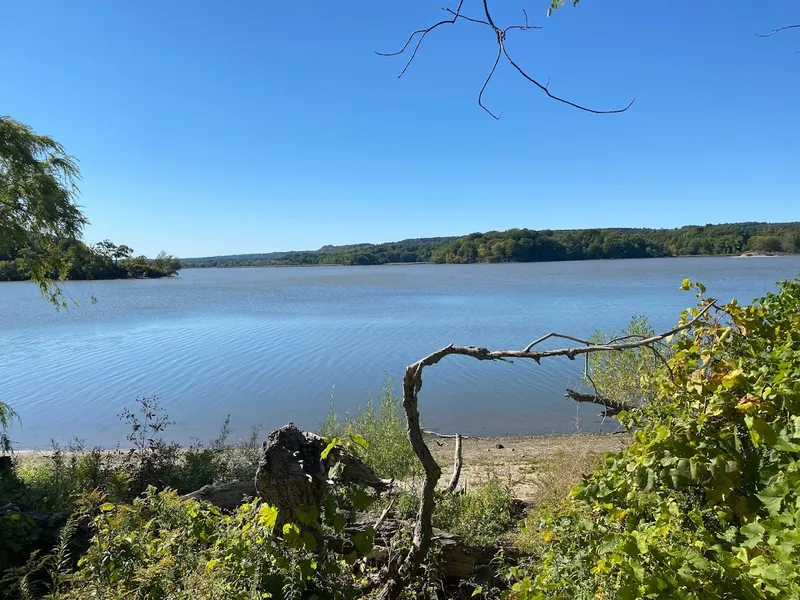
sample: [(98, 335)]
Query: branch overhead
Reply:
[(778, 30), (502, 52)]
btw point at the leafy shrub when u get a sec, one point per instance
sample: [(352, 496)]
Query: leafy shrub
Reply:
[(624, 378), (480, 516), (54, 483), (704, 504), (7, 418), (162, 547), (388, 450)]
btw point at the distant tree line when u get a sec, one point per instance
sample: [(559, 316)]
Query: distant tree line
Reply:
[(77, 261), (526, 245)]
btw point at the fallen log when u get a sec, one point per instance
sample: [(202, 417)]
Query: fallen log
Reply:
[(610, 409), (227, 496)]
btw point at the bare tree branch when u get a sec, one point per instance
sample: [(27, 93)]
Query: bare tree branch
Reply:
[(453, 484), (423, 33), (778, 30), (395, 579), (450, 436), (486, 83), (384, 514), (610, 409), (500, 35)]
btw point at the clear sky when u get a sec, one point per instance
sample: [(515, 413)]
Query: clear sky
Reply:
[(209, 128)]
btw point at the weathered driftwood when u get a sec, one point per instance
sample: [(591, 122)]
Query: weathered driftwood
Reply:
[(610, 409), (227, 496), (292, 472), (457, 462)]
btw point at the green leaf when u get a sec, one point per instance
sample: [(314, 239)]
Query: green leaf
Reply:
[(267, 515), (785, 445), (773, 496), (339, 523), (308, 515), (753, 533), (106, 507), (363, 541), (309, 541), (360, 441), (331, 445), (360, 498)]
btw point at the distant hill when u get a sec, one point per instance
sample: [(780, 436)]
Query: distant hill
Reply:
[(527, 245)]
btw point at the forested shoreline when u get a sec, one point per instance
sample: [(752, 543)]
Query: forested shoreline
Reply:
[(526, 245), (73, 259)]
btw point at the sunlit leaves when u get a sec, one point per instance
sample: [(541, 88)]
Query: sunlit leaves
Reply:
[(711, 484)]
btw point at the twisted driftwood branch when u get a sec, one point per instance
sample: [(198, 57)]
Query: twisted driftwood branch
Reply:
[(396, 577), (500, 35)]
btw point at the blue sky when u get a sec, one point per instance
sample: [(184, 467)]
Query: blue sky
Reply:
[(215, 128)]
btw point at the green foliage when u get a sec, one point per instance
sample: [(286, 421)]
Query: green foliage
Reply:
[(162, 547), (525, 245), (480, 516), (704, 504), (54, 483), (104, 260), (37, 202), (378, 434), (623, 378), (7, 418)]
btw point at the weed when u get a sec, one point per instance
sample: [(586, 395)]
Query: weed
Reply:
[(383, 427)]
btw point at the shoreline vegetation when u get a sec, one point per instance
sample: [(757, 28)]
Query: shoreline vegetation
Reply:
[(525, 245), (77, 261)]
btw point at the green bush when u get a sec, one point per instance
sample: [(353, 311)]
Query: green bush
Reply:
[(480, 516), (624, 378), (7, 418), (53, 484), (383, 427), (704, 504), (161, 547)]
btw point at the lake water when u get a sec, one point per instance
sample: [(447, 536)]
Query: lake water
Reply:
[(268, 345)]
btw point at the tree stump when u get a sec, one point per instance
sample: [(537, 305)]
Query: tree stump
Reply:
[(292, 473)]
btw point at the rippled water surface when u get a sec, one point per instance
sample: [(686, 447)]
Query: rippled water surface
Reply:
[(268, 345)]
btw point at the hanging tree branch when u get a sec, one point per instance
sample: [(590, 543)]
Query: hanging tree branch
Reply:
[(778, 30), (501, 35), (397, 576)]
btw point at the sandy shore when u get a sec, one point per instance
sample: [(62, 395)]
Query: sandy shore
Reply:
[(514, 459)]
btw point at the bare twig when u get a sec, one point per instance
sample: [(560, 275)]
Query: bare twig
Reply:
[(384, 514), (423, 33), (451, 487), (486, 83), (500, 35), (395, 579), (778, 30), (450, 436)]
